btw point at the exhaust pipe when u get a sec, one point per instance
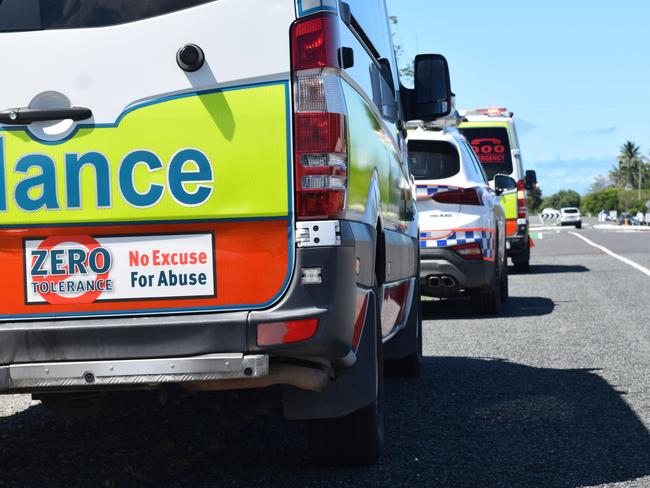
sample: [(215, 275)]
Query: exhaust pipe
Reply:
[(448, 281), (433, 281), (302, 377)]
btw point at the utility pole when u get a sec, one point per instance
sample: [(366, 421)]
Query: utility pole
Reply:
[(641, 158)]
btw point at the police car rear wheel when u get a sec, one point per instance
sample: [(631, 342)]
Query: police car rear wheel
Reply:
[(522, 261), (489, 302), (505, 292)]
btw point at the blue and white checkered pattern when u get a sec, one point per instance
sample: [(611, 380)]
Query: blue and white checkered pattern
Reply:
[(424, 191), (484, 237)]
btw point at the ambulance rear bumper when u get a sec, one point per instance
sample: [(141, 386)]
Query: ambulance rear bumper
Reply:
[(34, 346), (517, 243)]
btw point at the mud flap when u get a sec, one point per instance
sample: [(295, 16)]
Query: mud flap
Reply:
[(353, 388), (404, 343)]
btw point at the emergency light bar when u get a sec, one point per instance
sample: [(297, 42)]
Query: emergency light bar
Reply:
[(490, 112), (454, 119)]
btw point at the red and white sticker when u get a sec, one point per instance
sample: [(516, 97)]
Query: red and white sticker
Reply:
[(84, 269)]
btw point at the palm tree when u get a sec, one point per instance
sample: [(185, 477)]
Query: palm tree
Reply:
[(628, 162)]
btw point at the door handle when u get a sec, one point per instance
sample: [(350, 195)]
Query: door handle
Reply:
[(24, 116)]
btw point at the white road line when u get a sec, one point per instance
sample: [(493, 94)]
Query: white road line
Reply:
[(627, 261)]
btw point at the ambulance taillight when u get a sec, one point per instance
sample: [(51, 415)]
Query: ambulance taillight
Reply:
[(522, 213), (320, 118)]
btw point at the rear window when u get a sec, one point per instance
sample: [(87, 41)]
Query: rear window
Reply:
[(25, 15), (570, 210), (492, 147), (433, 160)]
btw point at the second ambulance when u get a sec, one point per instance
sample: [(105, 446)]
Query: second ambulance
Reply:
[(491, 133)]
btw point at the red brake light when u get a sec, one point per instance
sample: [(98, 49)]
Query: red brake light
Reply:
[(269, 334), (462, 196), (522, 212), (315, 42), (521, 185), (320, 119), (320, 133), (469, 251)]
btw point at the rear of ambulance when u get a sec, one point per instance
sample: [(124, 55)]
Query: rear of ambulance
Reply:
[(149, 199)]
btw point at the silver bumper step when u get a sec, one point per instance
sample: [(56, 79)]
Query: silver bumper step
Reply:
[(133, 372)]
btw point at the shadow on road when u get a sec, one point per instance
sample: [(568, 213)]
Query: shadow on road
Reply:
[(466, 423), (556, 268), (456, 308)]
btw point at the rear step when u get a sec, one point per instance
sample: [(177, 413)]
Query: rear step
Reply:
[(133, 372)]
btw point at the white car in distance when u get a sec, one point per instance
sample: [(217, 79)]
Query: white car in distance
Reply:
[(570, 216)]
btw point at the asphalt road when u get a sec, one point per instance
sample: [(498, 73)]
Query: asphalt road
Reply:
[(555, 393)]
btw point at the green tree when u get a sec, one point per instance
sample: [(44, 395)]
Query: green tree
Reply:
[(626, 173), (534, 197), (600, 183), (601, 200), (563, 198), (405, 67)]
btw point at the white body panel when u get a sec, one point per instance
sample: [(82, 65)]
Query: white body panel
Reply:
[(107, 69)]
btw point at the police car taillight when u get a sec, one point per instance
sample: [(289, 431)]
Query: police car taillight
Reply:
[(469, 251), (320, 118), (522, 213), (462, 196)]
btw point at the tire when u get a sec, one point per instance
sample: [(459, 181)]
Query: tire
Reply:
[(503, 284), (579, 225), (489, 302), (356, 439), (521, 263)]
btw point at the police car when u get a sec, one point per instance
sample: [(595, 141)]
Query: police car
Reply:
[(212, 195), (462, 224), (493, 136)]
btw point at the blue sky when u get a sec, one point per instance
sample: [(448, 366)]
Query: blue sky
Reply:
[(576, 73)]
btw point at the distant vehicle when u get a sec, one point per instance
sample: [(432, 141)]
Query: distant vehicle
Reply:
[(627, 219), (570, 216), (462, 223), (491, 133)]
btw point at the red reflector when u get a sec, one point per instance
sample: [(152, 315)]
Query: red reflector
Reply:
[(361, 311), (463, 196), (315, 42), (469, 251), (393, 310), (269, 334)]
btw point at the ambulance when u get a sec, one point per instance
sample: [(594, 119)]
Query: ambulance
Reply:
[(211, 195), (491, 133)]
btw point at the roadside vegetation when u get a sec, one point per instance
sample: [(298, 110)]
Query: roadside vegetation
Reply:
[(625, 188)]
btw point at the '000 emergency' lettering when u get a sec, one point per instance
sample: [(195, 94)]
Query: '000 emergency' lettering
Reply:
[(45, 181)]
